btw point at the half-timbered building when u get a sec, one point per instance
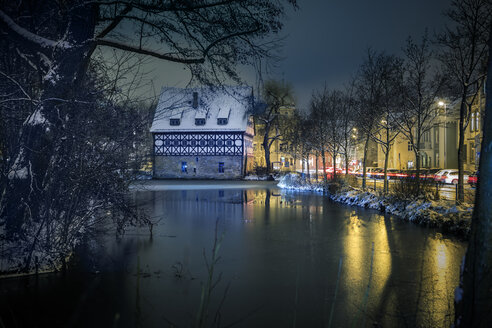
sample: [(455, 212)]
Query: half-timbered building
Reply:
[(199, 133)]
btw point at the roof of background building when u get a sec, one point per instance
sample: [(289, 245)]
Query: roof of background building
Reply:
[(229, 102)]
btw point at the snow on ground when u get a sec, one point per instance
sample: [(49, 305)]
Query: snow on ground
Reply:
[(254, 177), (442, 214)]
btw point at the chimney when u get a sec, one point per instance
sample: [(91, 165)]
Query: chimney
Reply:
[(195, 99)]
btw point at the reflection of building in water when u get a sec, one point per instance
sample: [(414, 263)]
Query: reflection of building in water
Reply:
[(202, 134), (248, 205)]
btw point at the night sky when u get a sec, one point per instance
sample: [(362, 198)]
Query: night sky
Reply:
[(326, 41)]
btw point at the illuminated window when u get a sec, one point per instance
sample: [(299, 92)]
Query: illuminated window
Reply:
[(184, 167)]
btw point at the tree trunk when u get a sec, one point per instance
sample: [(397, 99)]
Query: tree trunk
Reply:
[(386, 157), (334, 157), (417, 168), (266, 147), (417, 159), (346, 163), (461, 143), (473, 308), (316, 166), (323, 158), (364, 165), (307, 168)]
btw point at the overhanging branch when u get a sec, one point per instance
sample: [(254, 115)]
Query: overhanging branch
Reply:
[(152, 53), (115, 21)]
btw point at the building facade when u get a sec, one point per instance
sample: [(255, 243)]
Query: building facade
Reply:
[(203, 134), (439, 145)]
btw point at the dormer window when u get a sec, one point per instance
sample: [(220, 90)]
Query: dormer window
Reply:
[(199, 121), (222, 121), (174, 121)]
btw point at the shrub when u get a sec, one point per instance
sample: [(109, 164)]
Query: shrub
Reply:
[(408, 187)]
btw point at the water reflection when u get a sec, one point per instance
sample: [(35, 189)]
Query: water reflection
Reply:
[(281, 255)]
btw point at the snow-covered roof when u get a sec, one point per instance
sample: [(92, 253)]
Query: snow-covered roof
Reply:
[(224, 112), (231, 103), (175, 114)]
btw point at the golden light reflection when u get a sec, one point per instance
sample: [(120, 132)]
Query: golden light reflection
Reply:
[(441, 257), (436, 279), (382, 257), (358, 254), (356, 251)]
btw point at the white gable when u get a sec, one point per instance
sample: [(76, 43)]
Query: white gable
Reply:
[(231, 102)]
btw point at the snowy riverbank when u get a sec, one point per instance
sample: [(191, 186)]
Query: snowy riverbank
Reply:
[(441, 214)]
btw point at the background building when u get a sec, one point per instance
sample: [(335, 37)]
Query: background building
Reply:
[(199, 133), (439, 145), (281, 153)]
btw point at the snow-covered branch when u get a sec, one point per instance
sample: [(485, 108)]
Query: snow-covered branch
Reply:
[(31, 37)]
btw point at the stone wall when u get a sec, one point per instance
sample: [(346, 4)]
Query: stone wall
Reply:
[(198, 167)]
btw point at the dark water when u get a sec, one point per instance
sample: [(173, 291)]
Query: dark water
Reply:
[(286, 260)]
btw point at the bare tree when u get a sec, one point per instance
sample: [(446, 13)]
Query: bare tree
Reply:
[(348, 124), (326, 124), (386, 128), (297, 135), (369, 89), (320, 132), (418, 112), (336, 123), (95, 152), (268, 115), (464, 55), (55, 41)]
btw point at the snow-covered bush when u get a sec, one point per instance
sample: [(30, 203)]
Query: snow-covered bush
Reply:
[(442, 214)]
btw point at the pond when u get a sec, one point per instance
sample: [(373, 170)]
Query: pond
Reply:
[(283, 259)]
